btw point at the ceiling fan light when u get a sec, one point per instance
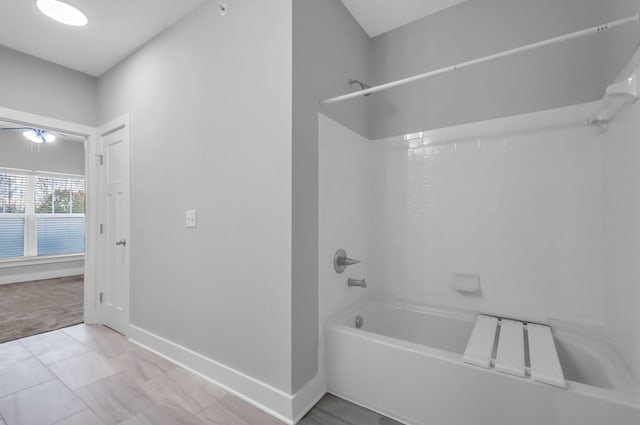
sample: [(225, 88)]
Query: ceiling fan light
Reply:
[(49, 138), (32, 136), (63, 12)]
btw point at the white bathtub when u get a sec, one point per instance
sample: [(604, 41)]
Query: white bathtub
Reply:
[(406, 363)]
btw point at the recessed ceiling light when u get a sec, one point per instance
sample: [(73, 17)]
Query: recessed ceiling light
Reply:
[(63, 12)]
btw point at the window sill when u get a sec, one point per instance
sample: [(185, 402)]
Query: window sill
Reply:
[(31, 261)]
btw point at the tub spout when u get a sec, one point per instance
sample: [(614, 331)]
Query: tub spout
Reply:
[(362, 283)]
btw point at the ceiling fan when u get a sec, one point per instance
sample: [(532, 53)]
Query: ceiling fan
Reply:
[(36, 135)]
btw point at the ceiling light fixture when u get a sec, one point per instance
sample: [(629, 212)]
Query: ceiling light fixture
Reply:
[(63, 12), (39, 136)]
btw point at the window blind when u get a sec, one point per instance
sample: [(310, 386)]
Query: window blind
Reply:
[(13, 190), (41, 215), (60, 235), (11, 236)]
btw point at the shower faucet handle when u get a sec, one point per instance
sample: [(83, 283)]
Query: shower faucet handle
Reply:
[(341, 261), (344, 261)]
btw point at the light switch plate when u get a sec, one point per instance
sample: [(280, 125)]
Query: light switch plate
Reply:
[(192, 221)]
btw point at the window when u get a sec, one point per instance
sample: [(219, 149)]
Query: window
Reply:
[(58, 196), (12, 193), (41, 215)]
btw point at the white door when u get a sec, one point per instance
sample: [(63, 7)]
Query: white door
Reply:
[(114, 296)]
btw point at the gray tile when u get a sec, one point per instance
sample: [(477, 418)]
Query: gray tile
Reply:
[(320, 417), (219, 414), (86, 333), (136, 367), (110, 345), (165, 389), (44, 404), (161, 362), (11, 352), (86, 417), (114, 399), (185, 379), (23, 374), (100, 339), (219, 405), (166, 414), (332, 406), (138, 419), (40, 338), (202, 391), (248, 412), (81, 370), (59, 346)]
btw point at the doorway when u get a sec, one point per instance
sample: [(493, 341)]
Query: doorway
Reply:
[(51, 216)]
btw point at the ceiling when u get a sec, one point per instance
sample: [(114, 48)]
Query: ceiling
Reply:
[(116, 28), (379, 16)]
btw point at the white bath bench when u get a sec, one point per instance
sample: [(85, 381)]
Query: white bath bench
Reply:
[(506, 338)]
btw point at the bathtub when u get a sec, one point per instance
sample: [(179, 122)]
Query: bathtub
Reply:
[(406, 362)]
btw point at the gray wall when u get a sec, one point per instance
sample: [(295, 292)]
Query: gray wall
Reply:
[(569, 73), (210, 105), (39, 87), (62, 156), (328, 47), (30, 272), (255, 190)]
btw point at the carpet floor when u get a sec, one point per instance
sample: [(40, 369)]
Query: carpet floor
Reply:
[(31, 308)]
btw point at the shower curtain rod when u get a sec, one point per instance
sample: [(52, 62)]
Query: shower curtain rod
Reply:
[(582, 33)]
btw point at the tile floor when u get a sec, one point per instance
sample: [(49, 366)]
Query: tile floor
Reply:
[(90, 375), (332, 410)]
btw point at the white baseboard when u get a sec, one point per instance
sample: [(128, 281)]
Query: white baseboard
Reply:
[(285, 407), (306, 397), (47, 274)]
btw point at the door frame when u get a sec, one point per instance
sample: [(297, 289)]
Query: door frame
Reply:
[(122, 122), (93, 196)]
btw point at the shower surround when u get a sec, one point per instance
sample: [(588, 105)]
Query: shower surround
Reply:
[(540, 206)]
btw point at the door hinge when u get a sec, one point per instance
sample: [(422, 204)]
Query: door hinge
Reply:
[(100, 159), (101, 228), (100, 297)]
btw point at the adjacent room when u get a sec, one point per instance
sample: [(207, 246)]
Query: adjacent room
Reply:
[(42, 207), (319, 212)]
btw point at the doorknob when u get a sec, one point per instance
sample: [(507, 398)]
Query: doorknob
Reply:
[(121, 242)]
